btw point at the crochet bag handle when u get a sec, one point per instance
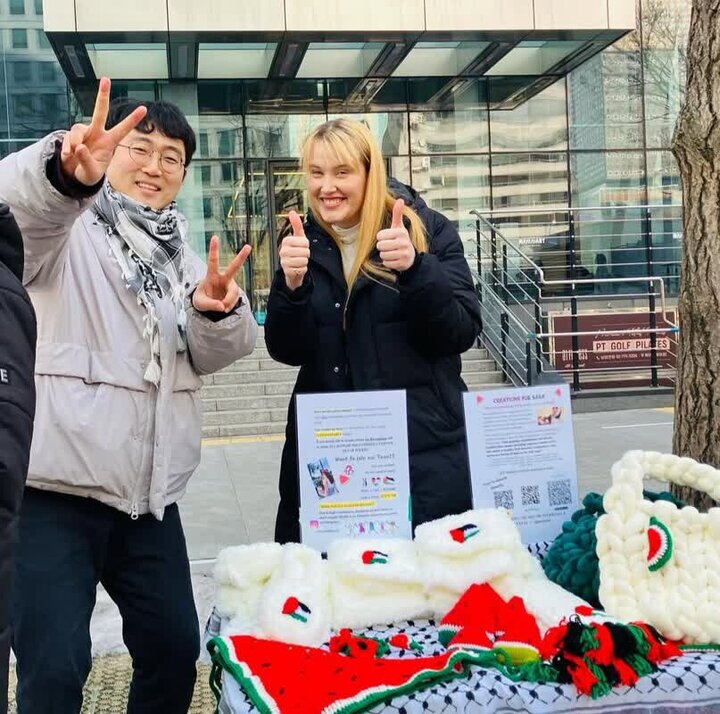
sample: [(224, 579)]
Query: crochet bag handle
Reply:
[(635, 466)]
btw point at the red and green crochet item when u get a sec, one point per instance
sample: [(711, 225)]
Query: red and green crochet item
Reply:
[(296, 609), (464, 533), (482, 620), (357, 646), (275, 675), (660, 544), (375, 557)]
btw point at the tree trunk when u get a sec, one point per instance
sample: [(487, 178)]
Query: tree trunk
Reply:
[(696, 147)]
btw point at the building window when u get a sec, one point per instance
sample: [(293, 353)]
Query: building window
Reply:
[(22, 72), (38, 7), (17, 7), (43, 42), (19, 38), (47, 72), (50, 106), (23, 106)]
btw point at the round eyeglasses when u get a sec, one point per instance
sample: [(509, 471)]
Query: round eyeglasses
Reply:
[(141, 155)]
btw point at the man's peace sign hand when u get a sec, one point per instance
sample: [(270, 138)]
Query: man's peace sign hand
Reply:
[(88, 149), (218, 290)]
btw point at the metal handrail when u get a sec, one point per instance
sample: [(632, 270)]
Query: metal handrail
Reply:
[(508, 292), (577, 281), (529, 335), (566, 209)]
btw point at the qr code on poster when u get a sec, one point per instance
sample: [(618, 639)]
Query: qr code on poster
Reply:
[(559, 493), (530, 495), (504, 499)]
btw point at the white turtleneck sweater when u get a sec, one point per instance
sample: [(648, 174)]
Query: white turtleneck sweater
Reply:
[(348, 246)]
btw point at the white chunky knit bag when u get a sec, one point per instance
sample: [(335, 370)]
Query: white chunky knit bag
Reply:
[(658, 563)]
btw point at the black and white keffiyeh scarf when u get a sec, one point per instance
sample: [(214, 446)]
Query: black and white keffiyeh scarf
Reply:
[(148, 246)]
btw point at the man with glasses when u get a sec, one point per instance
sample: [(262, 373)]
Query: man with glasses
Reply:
[(128, 318)]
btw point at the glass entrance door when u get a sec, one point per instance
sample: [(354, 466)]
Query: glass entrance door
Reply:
[(274, 189), (288, 192)]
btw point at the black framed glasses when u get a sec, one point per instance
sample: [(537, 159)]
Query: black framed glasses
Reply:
[(170, 163)]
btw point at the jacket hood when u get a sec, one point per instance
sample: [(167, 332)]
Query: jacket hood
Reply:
[(11, 245), (407, 193)]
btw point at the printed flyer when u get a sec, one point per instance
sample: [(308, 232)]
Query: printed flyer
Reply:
[(353, 466), (522, 456)]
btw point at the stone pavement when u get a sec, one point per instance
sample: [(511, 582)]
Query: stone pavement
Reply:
[(233, 496)]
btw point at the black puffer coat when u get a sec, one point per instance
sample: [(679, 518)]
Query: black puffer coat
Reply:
[(405, 337), (17, 410)]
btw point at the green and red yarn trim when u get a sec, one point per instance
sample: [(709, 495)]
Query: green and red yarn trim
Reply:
[(660, 544), (279, 663)]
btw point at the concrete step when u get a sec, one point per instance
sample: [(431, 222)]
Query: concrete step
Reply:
[(245, 416), (251, 396), (229, 404), (261, 360), (484, 380), (210, 432), (258, 376)]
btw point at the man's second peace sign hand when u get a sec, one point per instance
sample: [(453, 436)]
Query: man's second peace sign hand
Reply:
[(218, 290), (88, 148)]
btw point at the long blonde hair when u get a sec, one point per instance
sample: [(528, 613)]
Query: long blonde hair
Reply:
[(352, 143)]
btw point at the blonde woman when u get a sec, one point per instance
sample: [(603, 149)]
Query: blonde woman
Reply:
[(374, 292)]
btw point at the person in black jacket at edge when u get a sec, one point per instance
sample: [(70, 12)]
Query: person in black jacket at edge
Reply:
[(17, 411), (374, 292)]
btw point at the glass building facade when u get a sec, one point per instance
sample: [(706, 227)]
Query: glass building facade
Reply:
[(599, 138)]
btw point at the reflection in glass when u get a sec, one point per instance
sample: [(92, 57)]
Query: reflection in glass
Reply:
[(260, 237), (665, 26), (277, 135), (33, 100), (521, 183), (218, 135), (390, 130), (439, 59), (400, 169), (665, 193), (126, 60), (454, 185), (338, 59), (539, 123), (611, 239), (234, 60), (534, 57), (605, 101), (453, 132), (216, 208)]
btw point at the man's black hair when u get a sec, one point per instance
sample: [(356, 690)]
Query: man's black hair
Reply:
[(164, 117)]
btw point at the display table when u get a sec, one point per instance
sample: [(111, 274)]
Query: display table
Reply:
[(690, 683)]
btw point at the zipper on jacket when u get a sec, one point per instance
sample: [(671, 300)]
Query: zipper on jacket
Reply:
[(347, 299), (134, 512)]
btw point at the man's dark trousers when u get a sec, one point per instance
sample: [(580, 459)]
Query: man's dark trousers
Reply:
[(68, 545)]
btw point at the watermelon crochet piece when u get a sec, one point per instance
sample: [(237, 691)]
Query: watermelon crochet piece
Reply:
[(572, 561), (275, 675), (660, 544)]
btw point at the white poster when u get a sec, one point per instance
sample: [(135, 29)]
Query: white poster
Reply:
[(353, 466), (522, 456)]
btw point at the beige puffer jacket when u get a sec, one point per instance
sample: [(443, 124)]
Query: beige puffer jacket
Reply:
[(101, 430)]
